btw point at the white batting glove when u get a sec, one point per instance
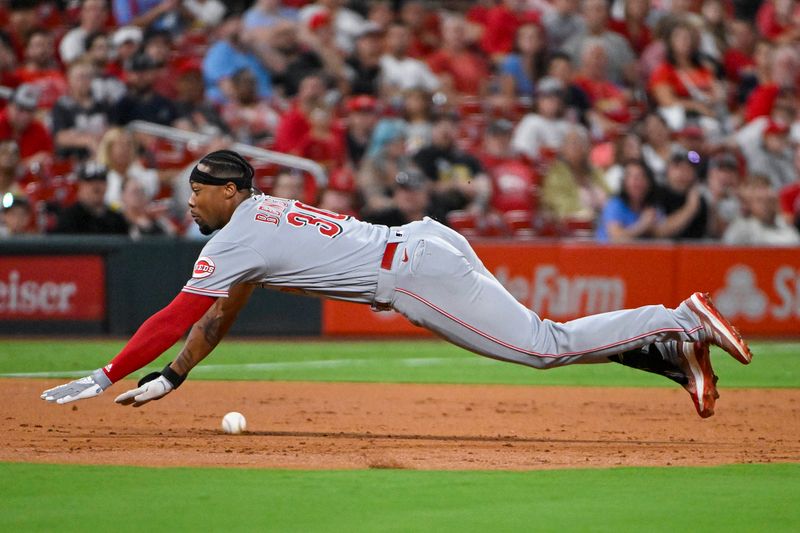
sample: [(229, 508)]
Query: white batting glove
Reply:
[(80, 389), (153, 386), (151, 390)]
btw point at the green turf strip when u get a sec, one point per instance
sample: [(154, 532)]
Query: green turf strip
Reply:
[(94, 498), (774, 364)]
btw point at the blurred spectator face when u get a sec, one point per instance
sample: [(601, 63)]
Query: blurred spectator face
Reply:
[(595, 13), (656, 130), (320, 119), (721, 179), (762, 55), (561, 69), (637, 9), (126, 50), (776, 142), (369, 46), (417, 103), (741, 35), (23, 20), (680, 175), (713, 11), (159, 48), (681, 6), (497, 144), (289, 185), (284, 37), (785, 64), (565, 7), (244, 87), (100, 51), (18, 218), (595, 61), (575, 148), (362, 120), (444, 132), (9, 157), (39, 50), (413, 14), (92, 194), (122, 150), (190, 86), (631, 148), (80, 79), (20, 117), (635, 183), (762, 201), (529, 39), (682, 42), (312, 89), (134, 197), (411, 200), (230, 30), (93, 14), (141, 80), (396, 148), (397, 40), (381, 13), (453, 32), (549, 105)]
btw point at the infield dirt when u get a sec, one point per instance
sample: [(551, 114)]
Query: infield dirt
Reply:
[(354, 425)]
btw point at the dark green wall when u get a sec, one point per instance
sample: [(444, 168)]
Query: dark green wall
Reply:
[(144, 276)]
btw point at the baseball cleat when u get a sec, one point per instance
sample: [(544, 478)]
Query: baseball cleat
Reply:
[(718, 330), (701, 383)]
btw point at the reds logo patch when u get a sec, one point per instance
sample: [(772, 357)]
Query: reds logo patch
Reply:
[(203, 268)]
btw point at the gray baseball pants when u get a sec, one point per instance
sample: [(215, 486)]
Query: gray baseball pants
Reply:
[(438, 282)]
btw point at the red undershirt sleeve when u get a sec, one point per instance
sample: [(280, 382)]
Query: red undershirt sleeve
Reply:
[(158, 333)]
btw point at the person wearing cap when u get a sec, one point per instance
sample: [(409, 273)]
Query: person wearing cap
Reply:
[(18, 122), (361, 117), (16, 216), (541, 133), (41, 69), (763, 225), (79, 120), (721, 193), (410, 200), (363, 66), (346, 22), (90, 214), (142, 102), (317, 52), (772, 155), (125, 42), (92, 18), (681, 200), (230, 53), (458, 179), (195, 113), (386, 156)]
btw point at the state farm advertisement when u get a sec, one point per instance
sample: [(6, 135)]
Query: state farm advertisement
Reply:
[(52, 287), (758, 288)]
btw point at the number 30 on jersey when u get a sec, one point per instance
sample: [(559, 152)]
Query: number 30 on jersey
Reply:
[(325, 221)]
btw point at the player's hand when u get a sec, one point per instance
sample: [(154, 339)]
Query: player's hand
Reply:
[(153, 389), (80, 389)]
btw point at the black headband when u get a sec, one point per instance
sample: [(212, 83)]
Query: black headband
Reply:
[(243, 182)]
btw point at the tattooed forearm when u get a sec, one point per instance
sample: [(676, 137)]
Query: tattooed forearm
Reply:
[(211, 330), (184, 362)]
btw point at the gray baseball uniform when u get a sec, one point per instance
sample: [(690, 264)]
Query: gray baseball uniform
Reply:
[(424, 270)]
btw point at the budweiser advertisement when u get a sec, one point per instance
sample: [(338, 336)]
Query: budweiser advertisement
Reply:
[(758, 288), (52, 288)]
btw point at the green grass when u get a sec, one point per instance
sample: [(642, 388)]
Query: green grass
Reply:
[(93, 498), (420, 361)]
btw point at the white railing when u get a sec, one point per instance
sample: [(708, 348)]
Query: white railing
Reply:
[(253, 152)]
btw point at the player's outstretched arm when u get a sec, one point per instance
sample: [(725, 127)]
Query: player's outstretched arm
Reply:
[(203, 338), (158, 333)]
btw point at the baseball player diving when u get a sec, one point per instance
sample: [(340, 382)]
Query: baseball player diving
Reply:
[(423, 270)]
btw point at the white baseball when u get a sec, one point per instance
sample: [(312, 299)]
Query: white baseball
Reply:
[(234, 423)]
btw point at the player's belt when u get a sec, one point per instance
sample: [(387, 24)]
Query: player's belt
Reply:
[(396, 236)]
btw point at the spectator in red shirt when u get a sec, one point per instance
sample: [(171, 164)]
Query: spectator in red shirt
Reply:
[(682, 81), (738, 60), (502, 22), (250, 119), (514, 181), (294, 124), (610, 111), (323, 142), (41, 69), (634, 26), (779, 20), (8, 63), (423, 26), (23, 20), (18, 121), (783, 77), (461, 71)]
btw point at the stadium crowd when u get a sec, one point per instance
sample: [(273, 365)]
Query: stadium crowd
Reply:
[(613, 120)]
